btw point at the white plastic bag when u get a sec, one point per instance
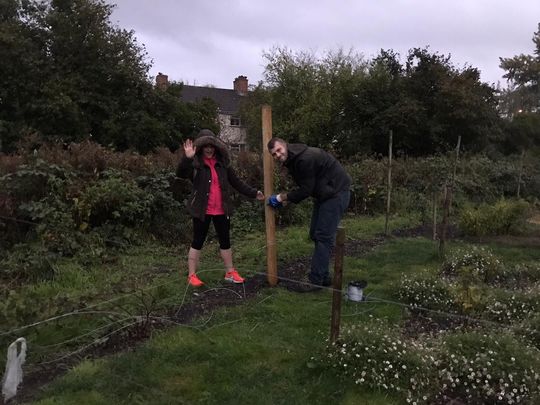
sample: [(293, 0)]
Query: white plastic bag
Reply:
[(13, 375)]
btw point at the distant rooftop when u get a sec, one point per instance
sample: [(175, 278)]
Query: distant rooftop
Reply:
[(228, 100)]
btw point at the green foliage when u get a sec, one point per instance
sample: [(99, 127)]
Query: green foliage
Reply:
[(375, 355), (488, 368), (505, 217), (347, 104), (530, 330), (524, 72), (74, 75), (478, 264), (28, 263), (168, 220), (511, 306), (478, 367), (248, 218), (425, 291), (115, 198)]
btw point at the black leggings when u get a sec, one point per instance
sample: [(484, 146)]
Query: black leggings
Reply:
[(222, 225)]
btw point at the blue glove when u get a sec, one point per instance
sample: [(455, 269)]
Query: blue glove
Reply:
[(273, 202)]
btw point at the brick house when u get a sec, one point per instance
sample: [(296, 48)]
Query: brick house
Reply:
[(232, 132)]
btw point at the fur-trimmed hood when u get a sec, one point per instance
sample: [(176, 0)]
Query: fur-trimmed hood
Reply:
[(207, 137)]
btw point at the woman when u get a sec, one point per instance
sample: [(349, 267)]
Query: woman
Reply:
[(206, 163)]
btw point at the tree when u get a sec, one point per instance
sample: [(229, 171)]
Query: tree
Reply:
[(523, 73), (75, 76), (520, 102), (345, 103)]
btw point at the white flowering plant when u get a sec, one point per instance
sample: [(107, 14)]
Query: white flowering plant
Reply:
[(479, 261), (477, 367), (425, 290), (521, 276), (529, 330), (511, 306), (487, 368), (374, 354)]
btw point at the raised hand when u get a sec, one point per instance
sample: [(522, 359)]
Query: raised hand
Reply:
[(189, 149)]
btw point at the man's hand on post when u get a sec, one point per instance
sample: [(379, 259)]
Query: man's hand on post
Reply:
[(275, 201)]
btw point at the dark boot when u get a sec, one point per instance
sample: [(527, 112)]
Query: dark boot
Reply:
[(304, 285)]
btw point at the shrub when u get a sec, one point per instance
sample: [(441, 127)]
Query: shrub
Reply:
[(477, 367), (426, 291), (28, 263), (114, 198), (503, 218), (478, 264), (168, 218), (509, 307), (529, 329), (249, 217), (487, 369), (376, 356), (521, 275)]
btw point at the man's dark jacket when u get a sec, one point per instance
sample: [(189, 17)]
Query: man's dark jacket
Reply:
[(199, 173), (316, 172)]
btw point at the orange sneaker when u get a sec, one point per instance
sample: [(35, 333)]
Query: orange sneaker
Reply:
[(194, 281), (234, 277)]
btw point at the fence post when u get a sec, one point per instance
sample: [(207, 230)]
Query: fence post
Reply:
[(520, 172), (389, 183), (448, 190), (337, 284), (269, 214)]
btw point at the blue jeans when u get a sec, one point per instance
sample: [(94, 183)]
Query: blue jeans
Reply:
[(324, 223)]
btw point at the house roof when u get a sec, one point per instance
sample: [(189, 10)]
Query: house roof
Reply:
[(228, 101)]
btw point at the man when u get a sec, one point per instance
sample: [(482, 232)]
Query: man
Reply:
[(319, 175)]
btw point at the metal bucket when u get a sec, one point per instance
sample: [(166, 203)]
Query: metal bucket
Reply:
[(355, 290)]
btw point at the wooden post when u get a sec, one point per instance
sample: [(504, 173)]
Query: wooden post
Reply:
[(389, 183), (520, 172), (448, 202), (269, 214), (337, 284), (435, 202)]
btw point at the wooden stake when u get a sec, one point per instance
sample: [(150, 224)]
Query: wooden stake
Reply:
[(389, 183), (520, 172), (448, 190), (435, 202), (337, 284), (270, 216)]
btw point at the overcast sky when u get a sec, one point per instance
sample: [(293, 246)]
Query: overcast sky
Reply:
[(212, 41)]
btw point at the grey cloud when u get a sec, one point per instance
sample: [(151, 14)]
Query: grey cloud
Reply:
[(213, 41)]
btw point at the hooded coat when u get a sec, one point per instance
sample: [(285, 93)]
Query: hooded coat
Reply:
[(316, 172), (199, 173)]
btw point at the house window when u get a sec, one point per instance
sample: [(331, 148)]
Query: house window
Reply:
[(235, 121), (237, 147)]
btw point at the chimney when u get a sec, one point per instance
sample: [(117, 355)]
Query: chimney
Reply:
[(162, 81), (241, 85)]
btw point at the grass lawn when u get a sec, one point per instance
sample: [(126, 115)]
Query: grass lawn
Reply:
[(266, 351)]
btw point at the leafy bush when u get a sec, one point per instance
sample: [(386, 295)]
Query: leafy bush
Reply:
[(488, 369), (521, 275), (511, 306), (426, 291), (168, 218), (248, 217), (503, 218), (529, 329), (114, 199), (477, 367), (476, 263), (374, 355), (28, 263)]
